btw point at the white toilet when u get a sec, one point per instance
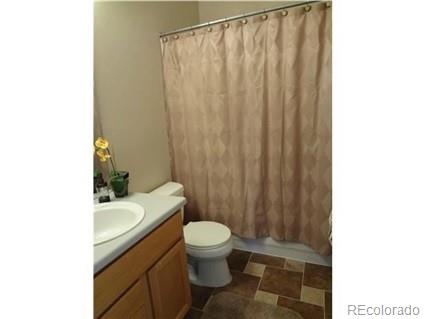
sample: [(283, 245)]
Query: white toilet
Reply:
[(207, 246)]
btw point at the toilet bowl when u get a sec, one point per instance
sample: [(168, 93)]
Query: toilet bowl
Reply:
[(207, 246)]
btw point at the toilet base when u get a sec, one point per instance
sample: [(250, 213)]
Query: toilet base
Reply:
[(210, 273)]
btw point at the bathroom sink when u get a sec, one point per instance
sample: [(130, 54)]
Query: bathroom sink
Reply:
[(114, 219)]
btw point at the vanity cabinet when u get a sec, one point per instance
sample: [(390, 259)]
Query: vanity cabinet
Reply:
[(149, 280), (168, 282)]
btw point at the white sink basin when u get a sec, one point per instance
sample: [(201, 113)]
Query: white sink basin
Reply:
[(114, 219)]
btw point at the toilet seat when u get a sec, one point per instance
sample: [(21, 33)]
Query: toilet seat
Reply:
[(206, 235)]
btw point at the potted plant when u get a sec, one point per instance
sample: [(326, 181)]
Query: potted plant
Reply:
[(117, 179)]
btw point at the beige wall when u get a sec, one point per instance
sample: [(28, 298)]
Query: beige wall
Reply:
[(213, 10), (129, 105)]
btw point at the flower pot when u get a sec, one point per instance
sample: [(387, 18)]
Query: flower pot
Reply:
[(119, 184)]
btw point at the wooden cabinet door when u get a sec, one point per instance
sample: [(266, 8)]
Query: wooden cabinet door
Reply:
[(134, 304), (169, 284)]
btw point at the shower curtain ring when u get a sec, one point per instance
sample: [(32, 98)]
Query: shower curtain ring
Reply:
[(307, 8), (209, 28), (226, 24), (244, 21), (328, 4), (264, 16)]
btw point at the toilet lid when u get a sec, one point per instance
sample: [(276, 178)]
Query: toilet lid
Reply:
[(206, 234)]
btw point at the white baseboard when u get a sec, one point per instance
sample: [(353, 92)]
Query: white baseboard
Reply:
[(290, 250)]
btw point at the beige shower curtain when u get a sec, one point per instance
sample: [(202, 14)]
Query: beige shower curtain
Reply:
[(249, 123)]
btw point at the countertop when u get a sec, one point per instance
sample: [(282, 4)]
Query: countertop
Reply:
[(157, 209)]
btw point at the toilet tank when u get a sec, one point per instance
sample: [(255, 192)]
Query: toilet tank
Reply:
[(170, 189)]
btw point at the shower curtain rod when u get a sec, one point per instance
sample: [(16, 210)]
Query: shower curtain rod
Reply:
[(240, 16)]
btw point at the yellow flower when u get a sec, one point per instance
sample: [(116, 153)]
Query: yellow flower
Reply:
[(102, 155), (102, 143)]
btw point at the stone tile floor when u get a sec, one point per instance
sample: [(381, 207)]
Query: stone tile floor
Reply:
[(303, 287)]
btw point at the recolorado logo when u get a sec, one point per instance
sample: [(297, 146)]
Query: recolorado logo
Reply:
[(382, 310)]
